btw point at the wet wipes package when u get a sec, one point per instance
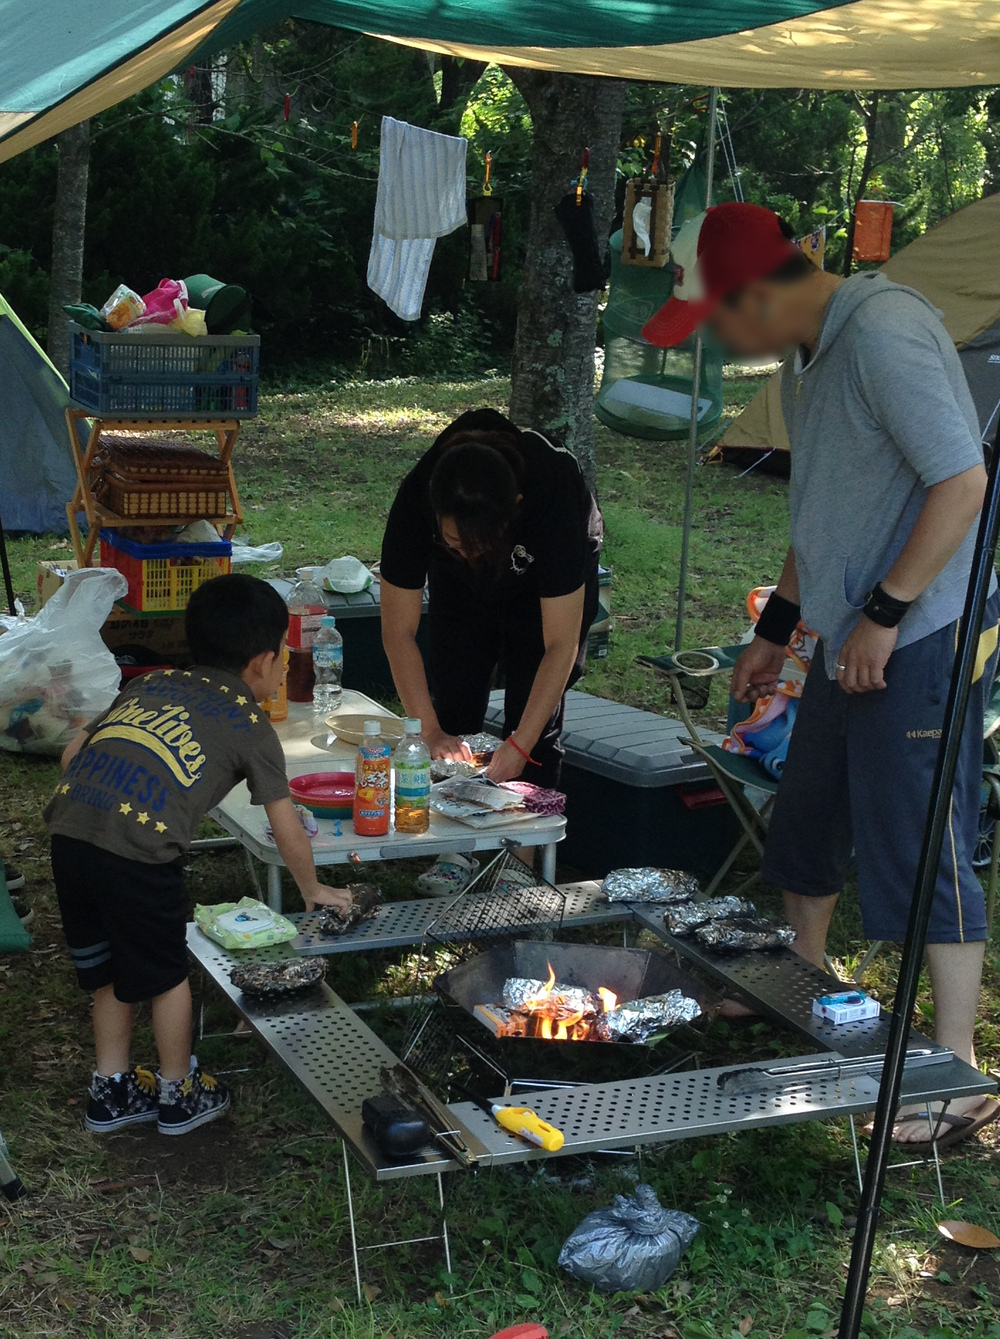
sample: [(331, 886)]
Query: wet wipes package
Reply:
[(846, 1006)]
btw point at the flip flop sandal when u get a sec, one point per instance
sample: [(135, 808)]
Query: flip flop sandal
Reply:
[(448, 876), (958, 1128)]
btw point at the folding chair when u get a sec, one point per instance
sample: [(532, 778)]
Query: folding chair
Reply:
[(737, 775)]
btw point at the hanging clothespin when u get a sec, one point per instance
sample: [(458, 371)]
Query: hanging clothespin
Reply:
[(487, 188), (354, 134), (581, 181), (288, 105), (654, 170)]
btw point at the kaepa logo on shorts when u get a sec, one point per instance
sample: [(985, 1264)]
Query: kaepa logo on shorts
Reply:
[(923, 734)]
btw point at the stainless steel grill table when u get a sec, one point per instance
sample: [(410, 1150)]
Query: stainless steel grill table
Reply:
[(248, 822)]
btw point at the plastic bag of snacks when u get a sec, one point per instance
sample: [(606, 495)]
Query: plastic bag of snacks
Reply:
[(56, 674), (244, 924)]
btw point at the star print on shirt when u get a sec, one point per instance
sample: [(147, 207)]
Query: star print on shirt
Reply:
[(254, 717), (125, 808), (64, 790), (142, 818), (161, 827), (223, 688), (241, 701), (187, 674)]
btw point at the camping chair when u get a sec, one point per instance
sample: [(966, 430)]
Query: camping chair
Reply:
[(747, 785)]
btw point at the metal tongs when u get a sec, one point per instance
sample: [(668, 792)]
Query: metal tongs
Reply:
[(406, 1087), (796, 1076)]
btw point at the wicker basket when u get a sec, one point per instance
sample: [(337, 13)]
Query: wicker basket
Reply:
[(159, 478)]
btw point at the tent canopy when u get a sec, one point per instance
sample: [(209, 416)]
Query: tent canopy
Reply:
[(955, 265), (61, 61)]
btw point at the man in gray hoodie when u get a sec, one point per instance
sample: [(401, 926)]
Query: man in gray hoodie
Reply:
[(887, 480)]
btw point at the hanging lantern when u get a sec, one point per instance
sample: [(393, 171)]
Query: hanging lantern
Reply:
[(872, 230)]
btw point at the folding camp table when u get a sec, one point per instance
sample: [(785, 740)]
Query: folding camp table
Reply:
[(248, 823)]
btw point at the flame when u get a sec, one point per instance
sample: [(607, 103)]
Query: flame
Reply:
[(549, 1018), (538, 1001), (609, 1000)]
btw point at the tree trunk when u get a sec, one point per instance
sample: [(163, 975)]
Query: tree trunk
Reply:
[(871, 114), (553, 367), (69, 223)]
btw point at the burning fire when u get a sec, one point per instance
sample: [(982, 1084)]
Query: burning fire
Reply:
[(550, 1017)]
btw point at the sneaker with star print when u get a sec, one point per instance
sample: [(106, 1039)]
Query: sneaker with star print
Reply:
[(187, 1103), (122, 1099)]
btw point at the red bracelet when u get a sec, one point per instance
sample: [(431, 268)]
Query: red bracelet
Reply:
[(526, 756)]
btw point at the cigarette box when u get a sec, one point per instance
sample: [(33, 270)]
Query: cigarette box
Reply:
[(847, 1006)]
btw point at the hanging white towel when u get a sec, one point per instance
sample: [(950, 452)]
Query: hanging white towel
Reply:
[(421, 196)]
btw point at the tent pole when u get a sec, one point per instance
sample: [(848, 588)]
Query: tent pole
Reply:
[(5, 564), (692, 453), (923, 895)]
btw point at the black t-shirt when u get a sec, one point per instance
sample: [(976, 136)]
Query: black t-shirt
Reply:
[(555, 538)]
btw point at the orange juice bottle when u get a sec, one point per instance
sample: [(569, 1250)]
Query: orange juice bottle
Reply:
[(277, 706), (372, 784)]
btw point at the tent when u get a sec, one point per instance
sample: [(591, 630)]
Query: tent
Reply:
[(61, 62), (956, 266), (37, 475)]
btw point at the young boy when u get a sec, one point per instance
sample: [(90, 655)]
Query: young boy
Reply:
[(136, 784)]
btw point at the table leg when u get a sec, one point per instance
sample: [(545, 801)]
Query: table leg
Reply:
[(274, 887), (549, 863), (350, 1211)]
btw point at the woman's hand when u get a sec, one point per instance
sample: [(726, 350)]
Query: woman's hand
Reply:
[(447, 746), (319, 895), (864, 656), (506, 764), (757, 671)]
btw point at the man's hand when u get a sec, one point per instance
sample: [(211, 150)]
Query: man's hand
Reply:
[(447, 746), (757, 671), (864, 656), (506, 764), (321, 896)]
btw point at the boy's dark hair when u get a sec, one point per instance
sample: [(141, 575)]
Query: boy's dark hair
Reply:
[(231, 619), (790, 271), (476, 485)]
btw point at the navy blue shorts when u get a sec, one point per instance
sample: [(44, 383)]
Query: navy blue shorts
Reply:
[(858, 779)]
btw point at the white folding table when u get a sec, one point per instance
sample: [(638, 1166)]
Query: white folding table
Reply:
[(248, 822)]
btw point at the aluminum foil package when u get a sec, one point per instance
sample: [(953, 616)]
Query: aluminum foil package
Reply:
[(519, 990), (650, 885), (367, 898), (743, 934), (637, 1020), (482, 746), (687, 917)]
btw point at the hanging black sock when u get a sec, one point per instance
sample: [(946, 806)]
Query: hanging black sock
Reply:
[(581, 233)]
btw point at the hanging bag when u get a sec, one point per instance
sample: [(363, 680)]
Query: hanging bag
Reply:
[(648, 219)]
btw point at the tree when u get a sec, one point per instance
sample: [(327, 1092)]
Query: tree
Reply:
[(553, 365), (69, 223)]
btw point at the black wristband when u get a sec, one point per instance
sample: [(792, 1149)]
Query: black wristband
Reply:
[(778, 620), (884, 609)]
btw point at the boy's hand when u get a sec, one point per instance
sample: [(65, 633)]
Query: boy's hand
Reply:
[(321, 896)]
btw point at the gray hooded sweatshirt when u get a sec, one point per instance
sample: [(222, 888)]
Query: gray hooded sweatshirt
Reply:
[(880, 414)]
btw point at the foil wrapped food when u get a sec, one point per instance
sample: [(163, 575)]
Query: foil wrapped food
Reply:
[(650, 885), (520, 991), (482, 746), (443, 769), (366, 898), (276, 980), (744, 934), (688, 916), (638, 1020)]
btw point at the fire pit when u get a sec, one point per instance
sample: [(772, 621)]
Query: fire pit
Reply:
[(598, 979)]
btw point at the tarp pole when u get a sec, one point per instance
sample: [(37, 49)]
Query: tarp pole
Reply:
[(920, 909), (5, 565), (692, 455)]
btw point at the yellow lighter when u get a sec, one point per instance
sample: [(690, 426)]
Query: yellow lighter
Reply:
[(523, 1122)]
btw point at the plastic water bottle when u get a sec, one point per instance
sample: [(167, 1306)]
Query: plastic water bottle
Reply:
[(412, 762), (306, 606), (328, 664), (372, 784)]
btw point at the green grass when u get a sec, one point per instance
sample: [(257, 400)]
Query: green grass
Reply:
[(240, 1232)]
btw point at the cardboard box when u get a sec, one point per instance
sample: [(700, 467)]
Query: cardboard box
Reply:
[(846, 1006), (49, 576), (162, 636)]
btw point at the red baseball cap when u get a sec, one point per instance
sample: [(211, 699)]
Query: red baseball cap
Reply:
[(714, 255)]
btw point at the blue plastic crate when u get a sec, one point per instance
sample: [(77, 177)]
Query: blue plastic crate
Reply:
[(164, 375)]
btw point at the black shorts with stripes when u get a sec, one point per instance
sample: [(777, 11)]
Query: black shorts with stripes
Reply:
[(124, 921)]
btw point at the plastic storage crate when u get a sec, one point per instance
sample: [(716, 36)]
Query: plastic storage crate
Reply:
[(162, 577), (164, 375)]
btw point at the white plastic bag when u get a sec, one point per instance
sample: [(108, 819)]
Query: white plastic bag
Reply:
[(346, 576), (55, 672), (244, 552)]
